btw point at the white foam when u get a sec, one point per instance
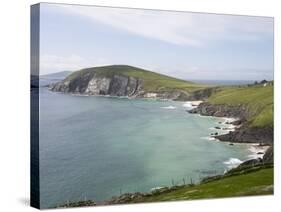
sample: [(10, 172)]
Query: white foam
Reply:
[(187, 104), (192, 104), (255, 151), (169, 107), (229, 120), (156, 188), (209, 138), (232, 163)]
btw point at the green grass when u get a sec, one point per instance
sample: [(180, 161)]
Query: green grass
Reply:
[(258, 182), (258, 100), (153, 82)]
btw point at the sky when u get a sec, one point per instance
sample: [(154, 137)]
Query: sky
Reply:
[(180, 44)]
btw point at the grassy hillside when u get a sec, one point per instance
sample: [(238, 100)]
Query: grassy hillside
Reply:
[(152, 81), (258, 182), (259, 101)]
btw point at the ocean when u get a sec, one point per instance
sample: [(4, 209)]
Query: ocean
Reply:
[(98, 147)]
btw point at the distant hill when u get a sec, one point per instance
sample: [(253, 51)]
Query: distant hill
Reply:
[(124, 80), (58, 75), (47, 79)]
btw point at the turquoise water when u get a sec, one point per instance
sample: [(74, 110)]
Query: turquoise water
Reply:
[(98, 147)]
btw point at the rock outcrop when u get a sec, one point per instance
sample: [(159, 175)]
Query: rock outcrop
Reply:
[(242, 134), (266, 159), (90, 84), (246, 134), (221, 110)]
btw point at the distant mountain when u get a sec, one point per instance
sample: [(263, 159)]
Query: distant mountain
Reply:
[(124, 80), (57, 75), (47, 79)]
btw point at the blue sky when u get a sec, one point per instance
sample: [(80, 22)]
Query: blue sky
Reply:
[(181, 44)]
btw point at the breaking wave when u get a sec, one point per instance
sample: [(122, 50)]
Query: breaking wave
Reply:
[(169, 107)]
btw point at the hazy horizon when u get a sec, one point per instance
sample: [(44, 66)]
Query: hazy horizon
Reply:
[(195, 80), (185, 45)]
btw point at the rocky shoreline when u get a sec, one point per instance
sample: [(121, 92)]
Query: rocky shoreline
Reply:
[(243, 133)]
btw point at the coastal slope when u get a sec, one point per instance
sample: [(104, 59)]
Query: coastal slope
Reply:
[(251, 105), (241, 181), (123, 80), (255, 182)]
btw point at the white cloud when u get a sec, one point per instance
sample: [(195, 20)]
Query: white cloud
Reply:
[(53, 63), (181, 28)]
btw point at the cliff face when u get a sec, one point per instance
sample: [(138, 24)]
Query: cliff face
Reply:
[(117, 85), (112, 82)]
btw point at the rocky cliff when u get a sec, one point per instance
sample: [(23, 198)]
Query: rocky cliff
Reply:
[(92, 84), (120, 80)]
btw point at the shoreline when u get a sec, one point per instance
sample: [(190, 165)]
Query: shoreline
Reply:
[(225, 121), (225, 126)]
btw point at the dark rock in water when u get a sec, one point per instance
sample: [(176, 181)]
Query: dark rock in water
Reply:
[(248, 135), (260, 153), (192, 111), (237, 122), (231, 144), (220, 122), (217, 128), (225, 128), (268, 156), (251, 162), (216, 133)]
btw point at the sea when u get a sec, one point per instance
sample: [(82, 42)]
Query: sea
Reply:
[(97, 147)]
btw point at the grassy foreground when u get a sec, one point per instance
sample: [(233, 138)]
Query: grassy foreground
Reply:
[(258, 182), (258, 100)]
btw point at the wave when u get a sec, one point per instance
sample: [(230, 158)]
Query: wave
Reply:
[(188, 104), (156, 188), (191, 104), (209, 138), (256, 151), (169, 107), (232, 163)]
